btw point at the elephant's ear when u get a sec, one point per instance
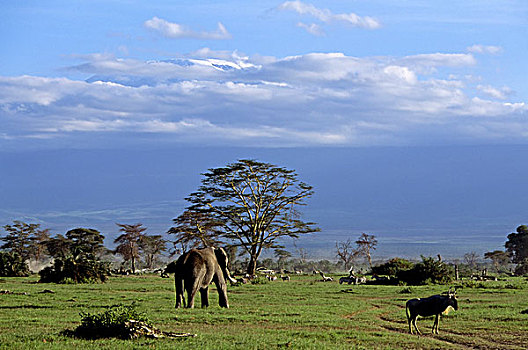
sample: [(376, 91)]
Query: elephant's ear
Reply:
[(221, 257)]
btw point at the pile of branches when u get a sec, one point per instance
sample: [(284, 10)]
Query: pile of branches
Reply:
[(120, 321)]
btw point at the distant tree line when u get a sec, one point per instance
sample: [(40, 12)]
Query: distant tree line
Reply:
[(76, 256)]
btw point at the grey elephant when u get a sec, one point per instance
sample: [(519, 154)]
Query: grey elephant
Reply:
[(196, 270)]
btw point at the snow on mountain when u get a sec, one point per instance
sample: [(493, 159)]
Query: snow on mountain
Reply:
[(155, 74)]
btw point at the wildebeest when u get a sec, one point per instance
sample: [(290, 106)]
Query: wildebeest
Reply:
[(433, 305), (352, 279)]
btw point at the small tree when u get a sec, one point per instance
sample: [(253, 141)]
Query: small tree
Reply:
[(346, 253), (85, 243), (76, 257), (22, 238), (129, 243), (281, 255), (151, 247), (38, 244), (498, 257), (23, 242), (365, 244), (471, 260)]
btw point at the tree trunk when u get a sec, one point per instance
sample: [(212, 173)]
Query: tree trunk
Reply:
[(252, 266)]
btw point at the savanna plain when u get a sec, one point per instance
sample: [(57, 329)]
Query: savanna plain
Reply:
[(303, 313)]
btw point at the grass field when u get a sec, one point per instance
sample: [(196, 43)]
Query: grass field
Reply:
[(303, 313)]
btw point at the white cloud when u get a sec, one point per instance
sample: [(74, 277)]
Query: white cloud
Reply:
[(327, 16), (311, 28), (501, 94), (230, 98), (178, 31), (483, 49)]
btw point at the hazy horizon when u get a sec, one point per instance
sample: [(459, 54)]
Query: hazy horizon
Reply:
[(416, 200)]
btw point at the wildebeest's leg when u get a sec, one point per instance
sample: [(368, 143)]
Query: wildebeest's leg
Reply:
[(204, 293), (409, 322), (435, 325), (408, 318), (415, 326)]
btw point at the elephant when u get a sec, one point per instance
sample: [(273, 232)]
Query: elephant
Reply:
[(196, 270)]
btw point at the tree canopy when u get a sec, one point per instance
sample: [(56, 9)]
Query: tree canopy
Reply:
[(256, 204)]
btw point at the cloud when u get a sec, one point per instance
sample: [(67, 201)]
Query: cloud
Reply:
[(327, 16), (500, 94), (224, 98), (311, 28), (179, 31), (482, 49)]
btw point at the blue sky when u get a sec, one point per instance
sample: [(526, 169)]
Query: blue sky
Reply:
[(268, 78)]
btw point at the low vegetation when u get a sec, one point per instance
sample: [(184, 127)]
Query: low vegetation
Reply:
[(303, 313)]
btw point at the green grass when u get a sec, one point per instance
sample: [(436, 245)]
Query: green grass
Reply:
[(301, 314)]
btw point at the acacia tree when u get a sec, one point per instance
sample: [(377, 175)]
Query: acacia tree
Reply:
[(498, 257), (76, 257), (129, 242), (25, 240), (365, 244), (256, 204)]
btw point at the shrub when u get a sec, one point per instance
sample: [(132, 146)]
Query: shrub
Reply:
[(13, 265), (427, 271), (111, 323), (392, 267), (69, 270)]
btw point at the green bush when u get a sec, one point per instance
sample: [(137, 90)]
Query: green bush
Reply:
[(110, 323), (428, 271), (69, 270), (13, 265), (392, 267)]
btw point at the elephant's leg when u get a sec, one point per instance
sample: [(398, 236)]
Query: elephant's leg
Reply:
[(204, 293), (192, 287), (221, 287), (178, 283)]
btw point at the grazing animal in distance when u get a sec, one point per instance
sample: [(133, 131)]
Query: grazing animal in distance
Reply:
[(433, 305), (285, 278), (325, 278)]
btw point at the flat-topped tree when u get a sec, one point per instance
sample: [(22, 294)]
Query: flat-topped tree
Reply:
[(256, 204)]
